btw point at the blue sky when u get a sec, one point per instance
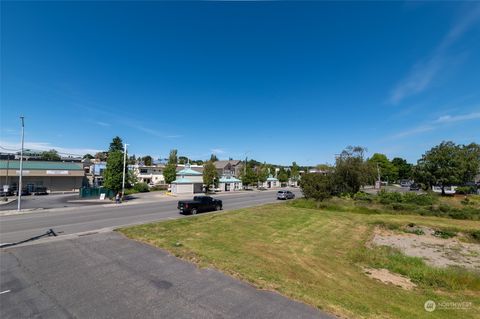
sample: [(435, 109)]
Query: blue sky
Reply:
[(274, 81)]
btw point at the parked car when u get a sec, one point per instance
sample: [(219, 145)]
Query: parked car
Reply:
[(414, 187), (199, 204), (285, 195), (40, 190), (405, 183), (3, 193), (25, 192)]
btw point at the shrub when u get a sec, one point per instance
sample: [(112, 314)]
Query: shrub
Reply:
[(465, 190), (316, 186), (362, 196), (444, 234), (419, 199), (163, 187), (141, 187), (389, 197)]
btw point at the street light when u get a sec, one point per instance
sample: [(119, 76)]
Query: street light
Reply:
[(19, 207), (124, 166)]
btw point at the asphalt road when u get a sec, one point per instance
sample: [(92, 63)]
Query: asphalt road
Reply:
[(109, 276), (66, 221), (101, 274)]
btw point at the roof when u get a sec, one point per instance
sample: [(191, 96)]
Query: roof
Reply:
[(182, 181), (188, 172), (222, 164), (41, 165), (271, 179), (229, 180)]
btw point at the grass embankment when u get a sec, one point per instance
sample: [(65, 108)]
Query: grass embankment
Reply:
[(317, 256)]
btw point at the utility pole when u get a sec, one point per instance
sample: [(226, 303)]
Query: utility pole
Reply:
[(124, 166), (378, 177), (19, 207)]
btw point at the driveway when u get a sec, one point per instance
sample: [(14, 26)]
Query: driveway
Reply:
[(108, 276)]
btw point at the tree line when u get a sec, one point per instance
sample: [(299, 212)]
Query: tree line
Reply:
[(443, 165)]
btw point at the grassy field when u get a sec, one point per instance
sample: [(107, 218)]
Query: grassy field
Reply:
[(317, 256)]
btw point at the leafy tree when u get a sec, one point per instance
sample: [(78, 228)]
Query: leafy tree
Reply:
[(248, 176), (209, 173), (132, 160), (213, 158), (295, 172), (262, 173), (403, 168), (172, 158), (448, 164), (183, 160), (282, 175), (102, 156), (88, 156), (147, 160), (113, 174), (170, 173), (388, 171), (351, 170), (170, 170), (51, 155), (116, 145), (317, 186)]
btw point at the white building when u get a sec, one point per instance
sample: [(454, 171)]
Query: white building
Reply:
[(272, 182), (152, 175), (229, 184), (188, 181)]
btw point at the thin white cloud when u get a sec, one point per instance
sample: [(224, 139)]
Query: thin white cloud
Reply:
[(458, 118), (414, 131), (45, 146), (424, 72), (438, 123), (102, 124)]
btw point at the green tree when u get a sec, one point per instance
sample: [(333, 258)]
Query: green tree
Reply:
[(113, 174), (209, 174), (183, 160), (282, 175), (352, 171), (262, 173), (170, 170), (317, 186), (132, 160), (248, 176), (116, 145), (295, 172), (51, 155), (213, 158), (172, 157), (448, 164), (102, 156), (88, 156), (147, 160), (403, 168), (388, 171)]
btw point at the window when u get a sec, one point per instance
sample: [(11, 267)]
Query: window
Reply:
[(143, 171)]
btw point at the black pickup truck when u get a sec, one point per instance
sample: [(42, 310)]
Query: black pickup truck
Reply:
[(199, 204)]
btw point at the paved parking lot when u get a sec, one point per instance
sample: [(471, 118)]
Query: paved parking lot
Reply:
[(109, 276)]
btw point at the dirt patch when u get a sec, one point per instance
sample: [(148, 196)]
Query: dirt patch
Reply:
[(438, 252), (388, 277)]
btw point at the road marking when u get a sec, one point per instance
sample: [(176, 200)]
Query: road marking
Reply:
[(4, 292)]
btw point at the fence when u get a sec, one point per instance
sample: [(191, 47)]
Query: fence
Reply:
[(95, 192)]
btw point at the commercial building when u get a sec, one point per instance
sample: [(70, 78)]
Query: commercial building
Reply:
[(55, 176), (188, 181)]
